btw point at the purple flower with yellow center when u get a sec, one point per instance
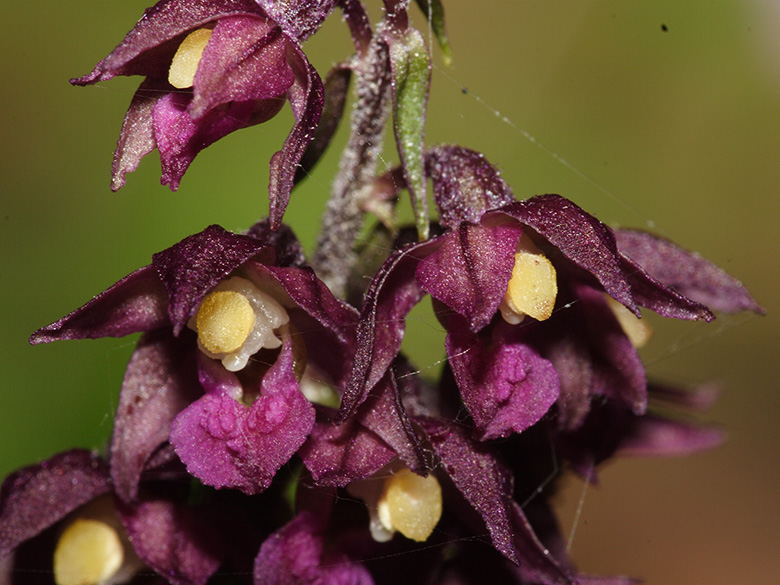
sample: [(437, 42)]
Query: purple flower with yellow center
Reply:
[(239, 336), (61, 519), (213, 67), (523, 289)]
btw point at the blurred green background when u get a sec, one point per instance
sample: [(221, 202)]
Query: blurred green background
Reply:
[(652, 114)]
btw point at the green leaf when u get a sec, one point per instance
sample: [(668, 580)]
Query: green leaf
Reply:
[(410, 65), (434, 12)]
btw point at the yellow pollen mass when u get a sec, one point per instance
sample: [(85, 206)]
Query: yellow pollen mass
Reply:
[(410, 504), (533, 286), (637, 330), (188, 55), (88, 552), (225, 320)]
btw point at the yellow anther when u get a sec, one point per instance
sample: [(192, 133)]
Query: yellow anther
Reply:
[(637, 330), (533, 286), (410, 504), (188, 55), (88, 552), (225, 320)]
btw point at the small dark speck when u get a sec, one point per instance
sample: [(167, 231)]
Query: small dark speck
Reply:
[(664, 28), (464, 90)]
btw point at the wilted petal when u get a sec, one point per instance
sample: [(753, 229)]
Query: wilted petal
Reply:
[(36, 497), (505, 384), (470, 270), (135, 303), (686, 272)]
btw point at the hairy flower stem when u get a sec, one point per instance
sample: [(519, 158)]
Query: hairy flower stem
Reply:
[(343, 217)]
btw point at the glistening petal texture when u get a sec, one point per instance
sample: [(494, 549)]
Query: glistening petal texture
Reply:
[(686, 272), (36, 497), (470, 270), (225, 443), (135, 303)]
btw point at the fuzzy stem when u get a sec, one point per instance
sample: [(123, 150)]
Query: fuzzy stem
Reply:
[(343, 217)]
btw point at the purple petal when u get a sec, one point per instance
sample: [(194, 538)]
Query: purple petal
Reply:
[(297, 554), (471, 269), (465, 185), (148, 48), (686, 272), (36, 497), (180, 138), (504, 383), (227, 444), (481, 478), (306, 99), (192, 267), (160, 382), (136, 138), (656, 436), (339, 455), (298, 18), (283, 241), (392, 294), (245, 59), (536, 562), (135, 303), (336, 90), (174, 540), (580, 237)]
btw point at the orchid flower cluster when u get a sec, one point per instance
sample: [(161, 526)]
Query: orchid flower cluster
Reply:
[(270, 430)]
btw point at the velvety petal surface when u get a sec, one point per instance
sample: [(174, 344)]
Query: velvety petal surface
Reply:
[(580, 237), (470, 270), (174, 540), (245, 59), (390, 297), (135, 303), (36, 497), (192, 267), (505, 384), (465, 185), (147, 49), (297, 555), (225, 443), (160, 381), (686, 272), (298, 18), (136, 139), (306, 99)]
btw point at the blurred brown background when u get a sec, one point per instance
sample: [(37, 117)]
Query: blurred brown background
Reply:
[(651, 114)]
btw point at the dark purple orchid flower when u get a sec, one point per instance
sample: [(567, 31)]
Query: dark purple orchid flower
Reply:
[(60, 518), (239, 318), (500, 273), (213, 67)]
